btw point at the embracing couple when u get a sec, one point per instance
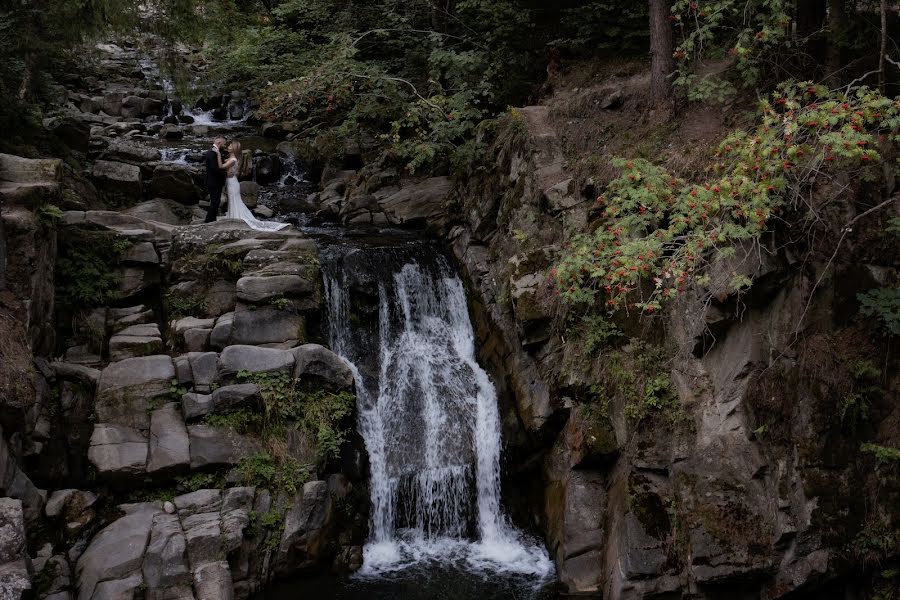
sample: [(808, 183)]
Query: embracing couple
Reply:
[(222, 174)]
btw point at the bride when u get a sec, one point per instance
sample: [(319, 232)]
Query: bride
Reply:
[(236, 207)]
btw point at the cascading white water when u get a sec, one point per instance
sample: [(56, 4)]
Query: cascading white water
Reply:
[(176, 156), (428, 414), (206, 117), (291, 172)]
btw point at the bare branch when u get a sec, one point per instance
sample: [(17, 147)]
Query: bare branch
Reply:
[(892, 61), (844, 231), (398, 80), (404, 30), (860, 80)]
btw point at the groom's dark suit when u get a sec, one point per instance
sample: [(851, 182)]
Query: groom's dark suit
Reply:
[(215, 181)]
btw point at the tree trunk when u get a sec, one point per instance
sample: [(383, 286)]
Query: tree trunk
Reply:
[(2, 251), (440, 9), (662, 64), (883, 52), (810, 17), (837, 27)]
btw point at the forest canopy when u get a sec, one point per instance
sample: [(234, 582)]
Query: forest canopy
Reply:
[(416, 76)]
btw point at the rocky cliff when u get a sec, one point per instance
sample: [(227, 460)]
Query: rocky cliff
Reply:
[(711, 452)]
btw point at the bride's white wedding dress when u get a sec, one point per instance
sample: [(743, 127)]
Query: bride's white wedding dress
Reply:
[(238, 210)]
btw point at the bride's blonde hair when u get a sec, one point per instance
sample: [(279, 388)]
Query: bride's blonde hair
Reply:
[(235, 148)]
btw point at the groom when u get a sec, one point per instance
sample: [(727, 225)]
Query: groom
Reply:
[(215, 178)]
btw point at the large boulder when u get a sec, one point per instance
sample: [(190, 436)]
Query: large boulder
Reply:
[(171, 132), (213, 447), (203, 534), (169, 445), (196, 405), (268, 169), (260, 289), (15, 580), (204, 370), (118, 453), (268, 325), (136, 340), (235, 359), (304, 540), (221, 333), (213, 581), (220, 298), (119, 182), (116, 554), (141, 253), (317, 367), (74, 133), (165, 563), (162, 211), (134, 279), (417, 204), (28, 182), (132, 107), (130, 152), (128, 386), (231, 397), (151, 107), (175, 183), (111, 104), (250, 193), (14, 483)]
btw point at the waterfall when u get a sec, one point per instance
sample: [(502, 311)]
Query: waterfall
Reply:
[(427, 411), (291, 172)]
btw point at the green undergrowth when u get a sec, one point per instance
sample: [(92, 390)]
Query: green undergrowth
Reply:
[(86, 267), (281, 474), (210, 265), (182, 485), (865, 389), (599, 332), (636, 372), (178, 305), (639, 374), (48, 216), (321, 414), (269, 524), (882, 304), (877, 541), (886, 455), (243, 421)]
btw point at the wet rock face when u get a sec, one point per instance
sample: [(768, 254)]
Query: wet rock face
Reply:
[(211, 544), (15, 579)]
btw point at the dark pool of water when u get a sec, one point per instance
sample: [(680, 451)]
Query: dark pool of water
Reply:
[(432, 583)]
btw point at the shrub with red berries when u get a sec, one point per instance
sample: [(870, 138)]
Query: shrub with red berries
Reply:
[(657, 232)]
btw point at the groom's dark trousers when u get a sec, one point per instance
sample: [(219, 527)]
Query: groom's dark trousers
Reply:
[(215, 181)]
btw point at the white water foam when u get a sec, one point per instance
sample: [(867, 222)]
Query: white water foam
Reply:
[(205, 117), (291, 173), (176, 156), (432, 430)]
